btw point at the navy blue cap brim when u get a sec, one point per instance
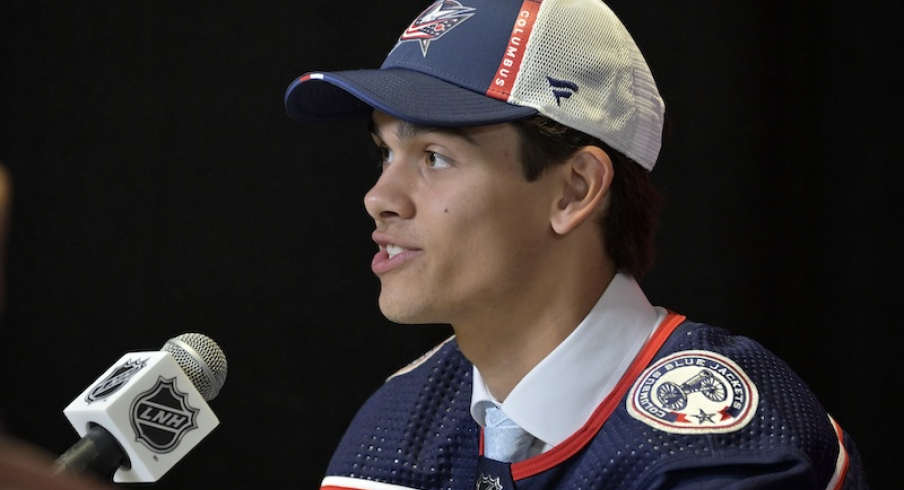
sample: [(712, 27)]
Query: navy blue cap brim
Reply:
[(408, 95)]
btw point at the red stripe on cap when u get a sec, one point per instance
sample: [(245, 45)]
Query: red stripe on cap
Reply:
[(510, 66)]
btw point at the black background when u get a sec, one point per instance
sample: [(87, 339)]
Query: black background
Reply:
[(160, 188)]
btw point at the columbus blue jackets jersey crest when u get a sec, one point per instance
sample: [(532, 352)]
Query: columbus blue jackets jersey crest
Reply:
[(699, 409), (694, 392)]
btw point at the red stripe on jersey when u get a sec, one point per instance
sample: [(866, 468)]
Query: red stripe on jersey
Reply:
[(349, 483), (841, 466), (504, 81), (585, 434)]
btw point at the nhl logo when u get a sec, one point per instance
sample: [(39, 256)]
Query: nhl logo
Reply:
[(488, 483), (115, 380), (161, 416)]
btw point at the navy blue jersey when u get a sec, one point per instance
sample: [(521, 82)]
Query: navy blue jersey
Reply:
[(698, 409)]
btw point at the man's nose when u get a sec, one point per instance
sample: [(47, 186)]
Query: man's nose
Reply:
[(390, 197)]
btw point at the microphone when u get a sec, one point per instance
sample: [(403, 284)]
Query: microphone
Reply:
[(147, 411)]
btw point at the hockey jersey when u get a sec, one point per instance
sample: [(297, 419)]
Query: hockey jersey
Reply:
[(698, 409)]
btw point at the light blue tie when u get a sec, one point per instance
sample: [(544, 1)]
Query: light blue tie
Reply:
[(503, 440)]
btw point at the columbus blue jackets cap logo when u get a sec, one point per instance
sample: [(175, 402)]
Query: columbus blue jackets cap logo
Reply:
[(161, 416), (435, 22), (694, 392), (115, 380)]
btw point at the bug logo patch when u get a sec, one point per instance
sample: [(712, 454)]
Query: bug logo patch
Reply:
[(694, 392)]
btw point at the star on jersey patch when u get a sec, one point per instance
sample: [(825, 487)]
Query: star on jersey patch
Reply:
[(435, 22), (694, 392)]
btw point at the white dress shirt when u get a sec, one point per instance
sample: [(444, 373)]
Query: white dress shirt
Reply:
[(560, 393)]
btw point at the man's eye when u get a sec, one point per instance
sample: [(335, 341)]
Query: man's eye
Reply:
[(386, 155), (435, 160)]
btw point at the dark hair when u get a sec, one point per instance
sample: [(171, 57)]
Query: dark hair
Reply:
[(630, 223)]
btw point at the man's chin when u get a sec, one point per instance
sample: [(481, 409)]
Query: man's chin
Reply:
[(402, 319), (406, 313)]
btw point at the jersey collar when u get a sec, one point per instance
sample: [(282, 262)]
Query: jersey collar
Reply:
[(558, 395)]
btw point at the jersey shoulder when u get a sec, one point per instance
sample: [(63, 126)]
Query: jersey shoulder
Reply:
[(416, 430)]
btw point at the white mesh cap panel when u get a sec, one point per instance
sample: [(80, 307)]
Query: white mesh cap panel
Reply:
[(616, 99)]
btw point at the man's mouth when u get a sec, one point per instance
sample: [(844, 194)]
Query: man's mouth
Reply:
[(393, 250), (391, 256)]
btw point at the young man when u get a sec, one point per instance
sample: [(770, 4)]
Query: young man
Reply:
[(514, 204)]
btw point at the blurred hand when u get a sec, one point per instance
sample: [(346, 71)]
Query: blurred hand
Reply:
[(25, 467)]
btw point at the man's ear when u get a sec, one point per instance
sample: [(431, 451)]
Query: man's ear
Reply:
[(586, 177)]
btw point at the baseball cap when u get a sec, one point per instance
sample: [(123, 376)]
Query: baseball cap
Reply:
[(478, 62)]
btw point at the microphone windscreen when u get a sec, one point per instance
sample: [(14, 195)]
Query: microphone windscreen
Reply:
[(202, 360)]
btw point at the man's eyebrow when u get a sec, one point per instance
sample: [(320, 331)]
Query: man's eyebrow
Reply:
[(407, 130)]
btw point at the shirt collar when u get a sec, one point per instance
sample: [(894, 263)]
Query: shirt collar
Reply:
[(560, 393)]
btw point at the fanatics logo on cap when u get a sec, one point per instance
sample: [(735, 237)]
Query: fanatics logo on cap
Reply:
[(435, 22), (694, 392), (562, 89)]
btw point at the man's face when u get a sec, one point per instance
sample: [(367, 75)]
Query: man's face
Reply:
[(459, 229)]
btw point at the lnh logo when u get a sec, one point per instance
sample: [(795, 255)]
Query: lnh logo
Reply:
[(161, 416)]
